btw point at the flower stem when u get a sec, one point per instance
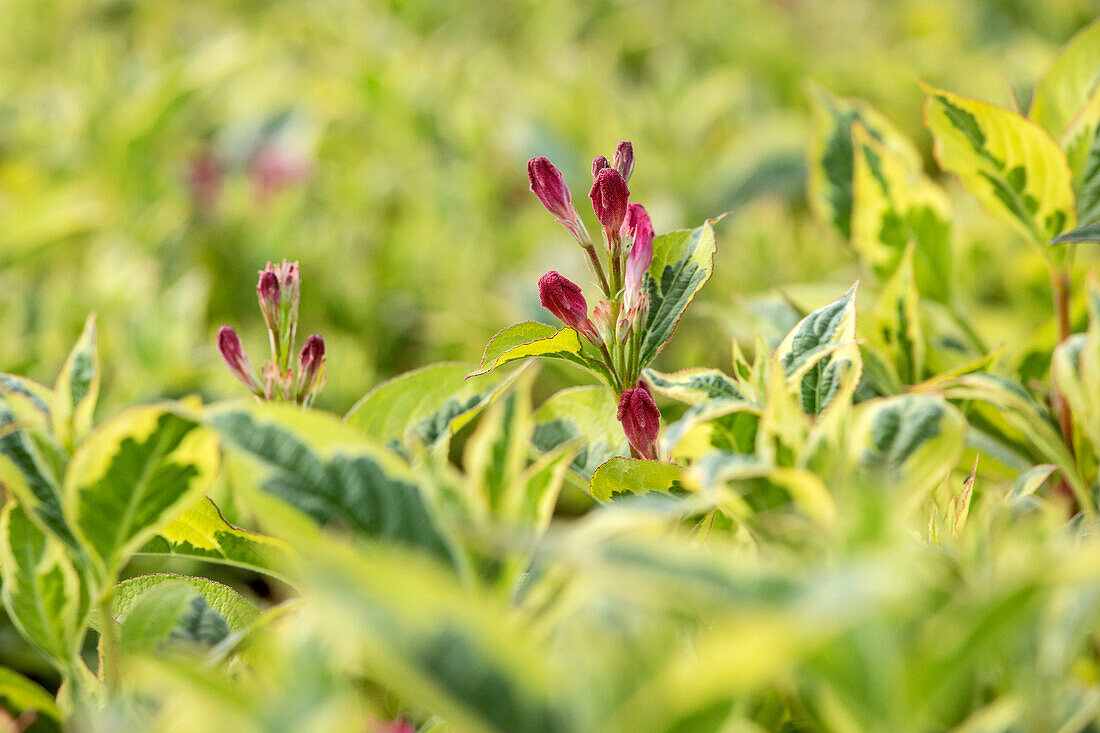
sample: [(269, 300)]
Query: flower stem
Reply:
[(597, 268), (1060, 283)]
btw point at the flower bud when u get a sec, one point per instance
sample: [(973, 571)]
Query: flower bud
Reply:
[(641, 421), (604, 321), (311, 364), (609, 196), (548, 184), (564, 299), (624, 159), (278, 384), (267, 291), (598, 164), (637, 225), (229, 344)]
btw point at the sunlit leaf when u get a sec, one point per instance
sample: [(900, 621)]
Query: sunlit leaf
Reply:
[(1009, 163), (425, 405), (624, 476), (77, 388), (586, 414), (682, 263), (133, 476)]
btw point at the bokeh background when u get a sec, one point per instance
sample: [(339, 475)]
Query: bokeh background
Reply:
[(154, 155)]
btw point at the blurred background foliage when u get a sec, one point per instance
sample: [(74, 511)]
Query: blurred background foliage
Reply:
[(154, 155)]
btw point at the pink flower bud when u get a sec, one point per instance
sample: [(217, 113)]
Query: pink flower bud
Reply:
[(637, 225), (641, 420), (609, 196), (267, 291), (548, 184), (624, 159), (274, 167), (229, 344), (598, 164), (205, 176), (564, 299), (278, 384), (311, 364)]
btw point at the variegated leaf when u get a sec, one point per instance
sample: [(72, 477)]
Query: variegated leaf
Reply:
[(682, 263), (1009, 163)]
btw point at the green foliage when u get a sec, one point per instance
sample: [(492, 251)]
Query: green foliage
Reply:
[(866, 519)]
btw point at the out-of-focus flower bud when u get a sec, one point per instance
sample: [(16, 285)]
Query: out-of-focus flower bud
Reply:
[(311, 365), (229, 344), (278, 291), (564, 299), (623, 160), (609, 196), (267, 292), (204, 177), (278, 384), (274, 166), (637, 225), (598, 164), (641, 420)]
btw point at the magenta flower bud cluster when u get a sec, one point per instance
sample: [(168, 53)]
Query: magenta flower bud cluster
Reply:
[(617, 327), (278, 291)]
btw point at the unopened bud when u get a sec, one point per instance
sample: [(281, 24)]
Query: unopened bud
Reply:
[(267, 292), (604, 321), (278, 384), (229, 344), (311, 364), (598, 164), (564, 299), (624, 159), (641, 421), (548, 184), (609, 196), (637, 225)]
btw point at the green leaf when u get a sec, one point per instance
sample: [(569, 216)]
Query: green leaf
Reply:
[(133, 476), (623, 476), (21, 694), (496, 453), (42, 589), (453, 649), (152, 607), (77, 388), (31, 475), (895, 206), (682, 263), (202, 533), (912, 441), (585, 414), (330, 473), (1019, 409), (695, 386), (726, 424), (830, 164), (153, 616), (528, 339), (1029, 482), (1086, 233), (821, 347), (1014, 168), (1068, 83), (425, 405), (35, 399), (896, 323)]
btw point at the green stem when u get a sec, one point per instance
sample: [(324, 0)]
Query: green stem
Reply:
[(108, 645), (596, 267)]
